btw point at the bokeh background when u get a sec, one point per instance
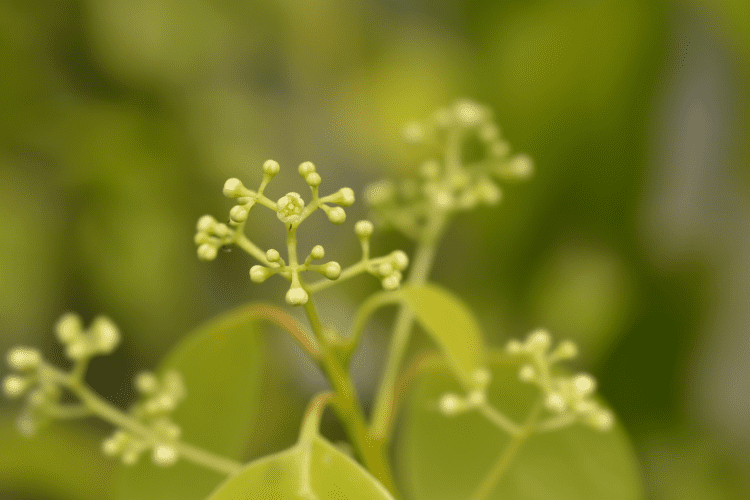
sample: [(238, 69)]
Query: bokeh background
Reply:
[(121, 119)]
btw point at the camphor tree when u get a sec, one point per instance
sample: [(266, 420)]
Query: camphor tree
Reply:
[(476, 421)]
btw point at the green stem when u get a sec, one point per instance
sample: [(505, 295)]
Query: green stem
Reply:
[(504, 460), (382, 416), (346, 403), (104, 410)]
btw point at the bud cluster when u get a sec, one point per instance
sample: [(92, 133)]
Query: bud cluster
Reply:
[(569, 396), (388, 268), (453, 404), (33, 380), (291, 210), (159, 399), (448, 185), (102, 336)]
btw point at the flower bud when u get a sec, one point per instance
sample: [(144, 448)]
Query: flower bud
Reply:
[(538, 341), (14, 386), (164, 455), (233, 188), (273, 255), (385, 269), (391, 282), (363, 229), (469, 113), (336, 215), (451, 404), (555, 402), (332, 270), (565, 350), (313, 179), (205, 223), (583, 385), (259, 274), (238, 213), (24, 358), (527, 373), (105, 335), (207, 251), (296, 296), (306, 169), (318, 252), (68, 327), (400, 260), (146, 383), (270, 168), (513, 347)]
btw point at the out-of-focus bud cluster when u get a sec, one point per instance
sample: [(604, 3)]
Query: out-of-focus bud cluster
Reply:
[(389, 268), (572, 396), (210, 236), (159, 398), (102, 336), (453, 404), (449, 182), (33, 380)]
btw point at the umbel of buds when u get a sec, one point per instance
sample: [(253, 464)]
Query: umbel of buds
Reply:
[(291, 210), (564, 395)]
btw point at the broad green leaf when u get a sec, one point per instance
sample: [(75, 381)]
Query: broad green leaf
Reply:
[(451, 325), (332, 475), (441, 457), (222, 365), (60, 461)]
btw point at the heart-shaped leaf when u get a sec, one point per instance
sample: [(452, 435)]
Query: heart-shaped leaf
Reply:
[(448, 457), (320, 472), (221, 363)]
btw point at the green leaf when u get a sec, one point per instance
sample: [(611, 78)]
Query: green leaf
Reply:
[(443, 457), (332, 475), (451, 325), (222, 365), (61, 461)]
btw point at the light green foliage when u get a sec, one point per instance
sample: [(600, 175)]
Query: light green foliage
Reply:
[(478, 426), (452, 456)]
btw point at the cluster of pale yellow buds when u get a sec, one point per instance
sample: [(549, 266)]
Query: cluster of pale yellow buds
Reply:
[(102, 336), (451, 183), (291, 210), (569, 397), (160, 398), (33, 380)]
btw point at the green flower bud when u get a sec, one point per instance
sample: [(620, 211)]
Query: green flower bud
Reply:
[(68, 327), (332, 270), (318, 252), (602, 420), (469, 113), (205, 223), (105, 335), (14, 386), (400, 260), (238, 213), (24, 359), (313, 179), (555, 402), (273, 255), (363, 229), (270, 168), (336, 215), (233, 188), (296, 296), (207, 251), (538, 341), (259, 274), (489, 132), (385, 269), (146, 383), (527, 373), (451, 404), (391, 282), (583, 385), (306, 169), (164, 455)]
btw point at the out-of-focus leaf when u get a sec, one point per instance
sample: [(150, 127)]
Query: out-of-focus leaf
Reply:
[(441, 457), (221, 363), (61, 461), (451, 325), (332, 475)]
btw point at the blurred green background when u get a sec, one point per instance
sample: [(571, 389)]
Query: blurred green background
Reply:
[(121, 119)]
